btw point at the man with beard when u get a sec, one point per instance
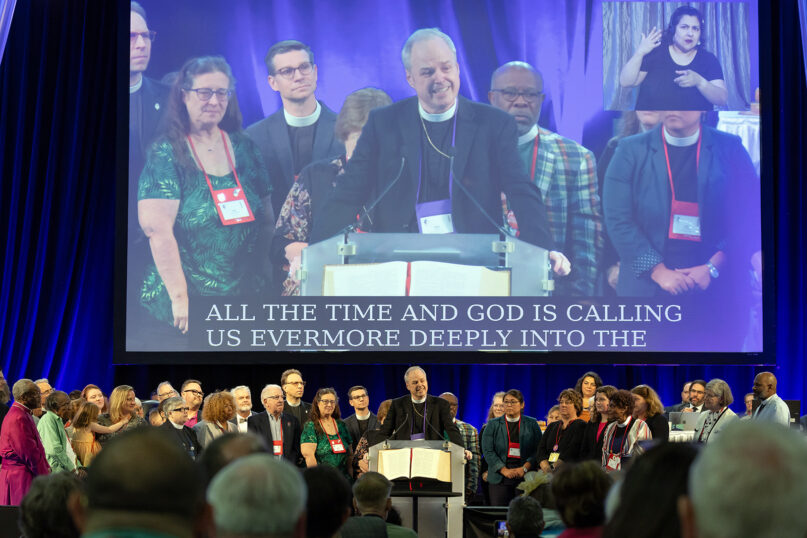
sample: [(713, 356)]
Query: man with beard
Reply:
[(243, 407)]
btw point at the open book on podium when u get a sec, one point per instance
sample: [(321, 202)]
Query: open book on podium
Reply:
[(397, 463), (380, 264)]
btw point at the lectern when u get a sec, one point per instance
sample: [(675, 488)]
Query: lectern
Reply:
[(428, 483), (528, 267)]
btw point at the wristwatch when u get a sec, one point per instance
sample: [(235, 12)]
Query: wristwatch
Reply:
[(525, 469), (713, 272)]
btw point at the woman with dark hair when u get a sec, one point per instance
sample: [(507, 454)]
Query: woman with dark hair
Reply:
[(325, 439), (563, 440), (579, 491), (316, 182), (586, 386), (218, 411), (509, 444), (595, 427), (648, 407), (648, 496), (673, 70), (621, 438), (202, 198)]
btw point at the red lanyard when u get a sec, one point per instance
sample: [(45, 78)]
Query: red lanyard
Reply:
[(667, 157), (335, 427), (624, 437), (507, 423), (534, 155), (229, 160)]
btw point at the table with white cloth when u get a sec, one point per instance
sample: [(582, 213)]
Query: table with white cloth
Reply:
[(746, 126)]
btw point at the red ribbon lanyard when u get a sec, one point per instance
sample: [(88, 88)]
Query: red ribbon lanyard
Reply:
[(624, 437), (331, 441), (667, 157), (229, 160), (275, 442), (534, 158)]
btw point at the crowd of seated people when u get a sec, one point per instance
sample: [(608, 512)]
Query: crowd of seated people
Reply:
[(621, 472)]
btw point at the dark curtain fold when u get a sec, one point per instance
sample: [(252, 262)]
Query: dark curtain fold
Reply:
[(57, 160)]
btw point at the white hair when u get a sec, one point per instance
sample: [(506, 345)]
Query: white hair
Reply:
[(257, 495), (22, 387), (412, 369), (241, 387), (751, 459), (424, 34), (42, 380), (265, 390)]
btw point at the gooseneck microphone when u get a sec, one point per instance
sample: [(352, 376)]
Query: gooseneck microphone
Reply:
[(366, 210)]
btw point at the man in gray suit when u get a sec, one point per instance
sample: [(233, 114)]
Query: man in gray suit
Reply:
[(302, 131)]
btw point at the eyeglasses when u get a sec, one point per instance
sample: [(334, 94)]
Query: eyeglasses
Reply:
[(183, 409), (511, 402), (511, 94), (166, 394), (297, 383), (361, 397), (328, 402), (196, 392), (304, 68), (274, 397), (151, 35), (204, 94)]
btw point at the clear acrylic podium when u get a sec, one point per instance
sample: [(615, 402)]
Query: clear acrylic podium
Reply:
[(530, 271), (429, 511)]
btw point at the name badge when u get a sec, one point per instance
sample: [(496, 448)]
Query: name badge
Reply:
[(232, 206), (685, 222), (277, 448), (613, 463), (435, 217), (513, 450), (554, 456), (336, 446)]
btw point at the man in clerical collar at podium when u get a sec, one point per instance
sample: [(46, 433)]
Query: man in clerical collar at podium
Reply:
[(418, 415)]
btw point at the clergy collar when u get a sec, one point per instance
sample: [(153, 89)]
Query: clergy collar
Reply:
[(627, 421), (681, 141), (293, 405), (419, 401), (436, 118), (136, 86), (303, 121), (364, 417), (529, 135), (512, 419)]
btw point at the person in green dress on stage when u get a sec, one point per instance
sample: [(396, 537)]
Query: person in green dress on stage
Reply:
[(203, 198), (325, 439)]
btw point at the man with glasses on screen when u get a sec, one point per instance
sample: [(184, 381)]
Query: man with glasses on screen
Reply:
[(293, 386), (440, 160), (302, 131), (564, 172)]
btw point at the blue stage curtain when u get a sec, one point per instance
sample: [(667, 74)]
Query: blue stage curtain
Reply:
[(57, 160)]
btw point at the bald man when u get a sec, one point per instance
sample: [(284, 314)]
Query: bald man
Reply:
[(564, 171), (771, 407), (470, 437)]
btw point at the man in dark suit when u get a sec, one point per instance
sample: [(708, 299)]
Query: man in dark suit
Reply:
[(419, 415), (147, 101), (280, 430), (677, 408), (302, 131), (427, 146), (243, 407), (363, 419), (176, 411)]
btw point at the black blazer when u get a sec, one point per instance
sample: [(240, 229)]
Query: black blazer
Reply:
[(487, 163), (438, 414), (185, 438), (659, 427), (636, 203), (570, 441), (591, 448), (259, 425), (271, 134), (352, 423)]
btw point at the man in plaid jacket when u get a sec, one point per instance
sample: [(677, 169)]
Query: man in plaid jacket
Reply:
[(470, 437), (564, 171)]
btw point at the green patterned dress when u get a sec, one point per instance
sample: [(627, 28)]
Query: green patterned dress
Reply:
[(217, 260), (324, 454)]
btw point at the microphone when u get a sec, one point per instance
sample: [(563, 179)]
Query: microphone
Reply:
[(366, 210), (504, 231), (446, 442), (396, 430)]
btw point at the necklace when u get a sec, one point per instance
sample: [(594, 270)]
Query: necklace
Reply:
[(430, 140)]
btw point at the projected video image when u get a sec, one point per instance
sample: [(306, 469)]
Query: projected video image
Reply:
[(412, 177)]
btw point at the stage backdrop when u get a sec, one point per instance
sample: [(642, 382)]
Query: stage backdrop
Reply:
[(57, 160)]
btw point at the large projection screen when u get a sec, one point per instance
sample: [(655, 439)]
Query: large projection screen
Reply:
[(658, 211)]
